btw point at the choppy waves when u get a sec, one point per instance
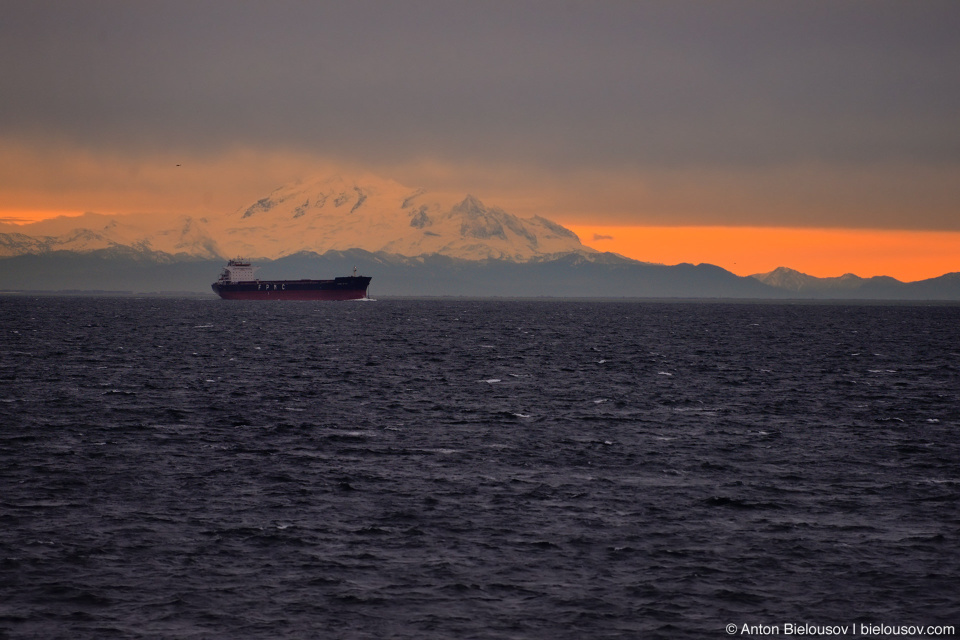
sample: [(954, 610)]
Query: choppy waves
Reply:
[(437, 469)]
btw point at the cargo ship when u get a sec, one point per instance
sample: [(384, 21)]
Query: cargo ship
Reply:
[(238, 281)]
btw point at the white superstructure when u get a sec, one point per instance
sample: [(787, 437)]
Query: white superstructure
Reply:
[(238, 271)]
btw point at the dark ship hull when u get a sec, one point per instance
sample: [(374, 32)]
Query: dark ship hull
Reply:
[(346, 288)]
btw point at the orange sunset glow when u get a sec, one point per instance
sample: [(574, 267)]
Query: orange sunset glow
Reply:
[(905, 255), (26, 217)]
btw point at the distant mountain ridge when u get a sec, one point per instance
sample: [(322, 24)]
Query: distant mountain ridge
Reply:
[(571, 275), (850, 286), (565, 275), (792, 280)]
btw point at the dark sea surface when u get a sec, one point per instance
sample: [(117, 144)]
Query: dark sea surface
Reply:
[(191, 468)]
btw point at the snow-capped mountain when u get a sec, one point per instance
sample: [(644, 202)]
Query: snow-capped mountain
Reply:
[(792, 280), (381, 215), (328, 213), (94, 232), (853, 287)]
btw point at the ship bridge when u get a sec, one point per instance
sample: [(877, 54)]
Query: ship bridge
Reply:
[(238, 271)]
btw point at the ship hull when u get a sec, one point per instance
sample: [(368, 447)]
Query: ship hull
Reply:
[(348, 288)]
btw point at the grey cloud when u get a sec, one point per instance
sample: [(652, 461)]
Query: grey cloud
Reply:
[(564, 84), (644, 82)]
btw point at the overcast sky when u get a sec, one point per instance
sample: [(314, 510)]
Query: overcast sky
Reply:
[(778, 113)]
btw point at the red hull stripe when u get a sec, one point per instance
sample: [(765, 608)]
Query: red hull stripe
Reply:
[(293, 295)]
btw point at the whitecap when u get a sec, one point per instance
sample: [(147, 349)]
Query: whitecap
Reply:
[(664, 373), (490, 381)]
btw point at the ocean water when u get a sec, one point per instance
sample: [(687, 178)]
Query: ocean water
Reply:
[(186, 468)]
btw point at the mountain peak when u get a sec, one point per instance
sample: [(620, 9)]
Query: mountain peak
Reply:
[(469, 203), (778, 272), (786, 278)]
